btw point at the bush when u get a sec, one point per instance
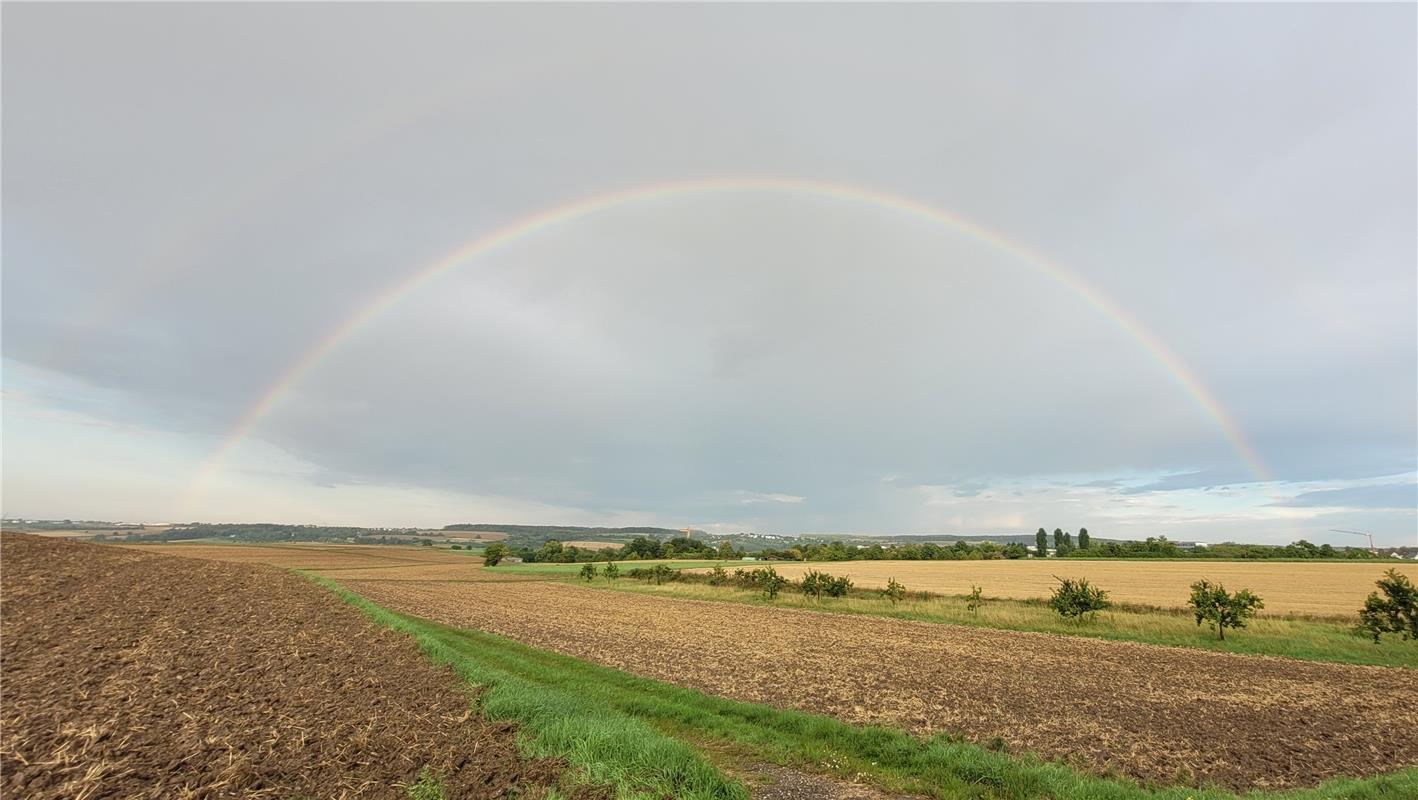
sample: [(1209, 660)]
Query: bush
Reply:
[(1396, 611), (588, 571), (1076, 597), (612, 571), (818, 584), (767, 579), (1212, 603), (718, 577), (662, 573), (894, 591)]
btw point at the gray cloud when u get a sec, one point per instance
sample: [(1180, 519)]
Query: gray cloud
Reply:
[(1392, 495), (194, 196)]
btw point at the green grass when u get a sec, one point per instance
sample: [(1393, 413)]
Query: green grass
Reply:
[(1302, 638), (428, 787), (629, 733), (573, 569)]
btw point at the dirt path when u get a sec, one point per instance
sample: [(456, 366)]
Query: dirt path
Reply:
[(136, 675), (1151, 712)]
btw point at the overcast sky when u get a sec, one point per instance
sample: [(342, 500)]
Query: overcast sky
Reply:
[(194, 196)]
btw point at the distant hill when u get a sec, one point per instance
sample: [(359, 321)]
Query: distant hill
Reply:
[(534, 535)]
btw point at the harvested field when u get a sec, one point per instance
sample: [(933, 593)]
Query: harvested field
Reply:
[(1142, 710), (594, 545), (1314, 589), (350, 561), (312, 556), (131, 675)]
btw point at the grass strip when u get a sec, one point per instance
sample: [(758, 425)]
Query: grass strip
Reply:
[(620, 730)]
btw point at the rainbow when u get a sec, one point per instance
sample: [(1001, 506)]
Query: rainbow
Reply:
[(532, 225)]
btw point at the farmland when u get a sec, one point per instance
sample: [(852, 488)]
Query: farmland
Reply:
[(734, 696), (1291, 637), (1314, 589), (1029, 690), (135, 675), (313, 556)]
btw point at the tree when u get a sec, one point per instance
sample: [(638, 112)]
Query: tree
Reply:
[(1396, 611), (718, 577), (894, 591), (1213, 604), (1083, 541), (1063, 542), (1041, 544), (771, 582), (550, 551), (1076, 597), (588, 571), (494, 554), (612, 571), (726, 550)]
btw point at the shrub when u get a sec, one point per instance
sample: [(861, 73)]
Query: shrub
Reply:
[(773, 583), (1212, 603), (1014, 550), (1396, 611), (818, 584), (973, 601), (494, 554), (1075, 597), (662, 573), (718, 577), (588, 571), (894, 591), (612, 571)]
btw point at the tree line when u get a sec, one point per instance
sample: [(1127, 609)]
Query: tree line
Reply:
[(640, 548)]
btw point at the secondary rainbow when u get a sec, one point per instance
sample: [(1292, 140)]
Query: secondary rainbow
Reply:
[(529, 226)]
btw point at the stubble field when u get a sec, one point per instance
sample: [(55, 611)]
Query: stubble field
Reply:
[(1324, 589), (314, 556)]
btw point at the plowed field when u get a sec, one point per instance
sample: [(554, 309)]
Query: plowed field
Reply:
[(1147, 711), (1316, 589), (133, 675)]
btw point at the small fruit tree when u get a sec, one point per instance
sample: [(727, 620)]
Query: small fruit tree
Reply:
[(1075, 597), (1395, 611), (894, 592), (973, 600), (818, 584), (1211, 603), (588, 571)]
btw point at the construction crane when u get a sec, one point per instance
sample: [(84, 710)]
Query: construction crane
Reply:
[(1359, 533)]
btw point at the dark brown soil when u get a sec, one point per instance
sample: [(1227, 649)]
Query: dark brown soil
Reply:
[(132, 675)]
